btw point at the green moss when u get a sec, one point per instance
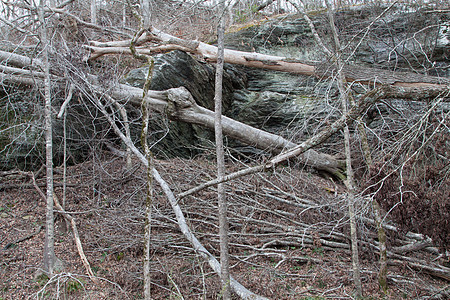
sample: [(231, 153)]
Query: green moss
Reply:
[(240, 27), (42, 279), (73, 286)]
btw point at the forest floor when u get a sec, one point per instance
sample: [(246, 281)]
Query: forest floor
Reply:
[(106, 199)]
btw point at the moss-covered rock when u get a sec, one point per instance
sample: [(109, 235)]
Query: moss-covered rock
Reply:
[(20, 131)]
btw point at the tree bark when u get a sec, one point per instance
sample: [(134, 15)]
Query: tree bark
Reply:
[(382, 274), (148, 202), (221, 196), (20, 60), (349, 182), (264, 5), (146, 13), (63, 114), (149, 197), (145, 109), (49, 251), (94, 12)]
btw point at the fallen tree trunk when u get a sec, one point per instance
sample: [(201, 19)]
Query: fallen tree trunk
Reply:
[(179, 105), (157, 41), (364, 104), (20, 60)]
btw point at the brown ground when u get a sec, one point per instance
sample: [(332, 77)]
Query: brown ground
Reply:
[(107, 202)]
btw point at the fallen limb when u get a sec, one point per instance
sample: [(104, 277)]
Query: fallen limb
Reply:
[(436, 271), (197, 246), (20, 60), (179, 105), (282, 227), (414, 263), (369, 99), (29, 185), (157, 99), (76, 236), (87, 24), (60, 10), (162, 41), (25, 238), (413, 247)]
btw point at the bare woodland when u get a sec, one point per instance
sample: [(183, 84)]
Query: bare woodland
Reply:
[(355, 208)]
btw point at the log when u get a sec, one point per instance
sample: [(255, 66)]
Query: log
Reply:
[(162, 41), (19, 60), (179, 105)]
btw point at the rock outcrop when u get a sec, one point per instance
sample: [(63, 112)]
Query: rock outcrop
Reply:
[(175, 69), (282, 103)]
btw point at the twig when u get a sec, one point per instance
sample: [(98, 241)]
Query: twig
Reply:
[(74, 229), (181, 220), (30, 185), (315, 140), (33, 234)]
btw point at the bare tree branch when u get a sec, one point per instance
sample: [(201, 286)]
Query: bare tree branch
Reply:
[(197, 246)]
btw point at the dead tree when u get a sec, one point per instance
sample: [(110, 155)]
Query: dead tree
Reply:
[(157, 41)]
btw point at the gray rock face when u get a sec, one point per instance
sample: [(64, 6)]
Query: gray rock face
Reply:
[(442, 49), (407, 39), (274, 101), (291, 104), (267, 110), (175, 69), (402, 38), (20, 133), (277, 101), (22, 142), (287, 36)]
